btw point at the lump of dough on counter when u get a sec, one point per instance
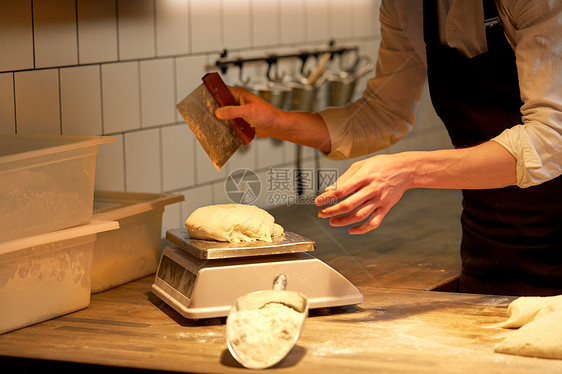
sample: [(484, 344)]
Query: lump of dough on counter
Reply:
[(539, 323), (524, 309), (541, 337), (232, 223)]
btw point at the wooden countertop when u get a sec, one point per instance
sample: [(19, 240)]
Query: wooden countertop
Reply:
[(400, 327)]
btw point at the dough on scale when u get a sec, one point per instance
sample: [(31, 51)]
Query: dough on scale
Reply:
[(539, 323), (232, 223)]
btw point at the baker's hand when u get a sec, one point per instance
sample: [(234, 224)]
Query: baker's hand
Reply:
[(366, 191), (257, 112)]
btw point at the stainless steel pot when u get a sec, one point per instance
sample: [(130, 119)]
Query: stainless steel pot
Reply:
[(274, 93)]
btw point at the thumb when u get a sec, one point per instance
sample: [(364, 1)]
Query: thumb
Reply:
[(229, 112)]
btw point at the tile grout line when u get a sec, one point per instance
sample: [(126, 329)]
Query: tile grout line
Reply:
[(33, 35), (252, 13), (124, 164), (161, 155), (77, 33), (118, 52), (140, 93), (155, 27), (15, 106), (60, 100), (101, 100)]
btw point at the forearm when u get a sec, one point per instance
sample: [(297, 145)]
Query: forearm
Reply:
[(302, 128), (371, 187), (298, 127), (485, 166)]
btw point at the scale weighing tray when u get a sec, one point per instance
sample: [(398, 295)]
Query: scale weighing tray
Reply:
[(201, 279), (209, 249)]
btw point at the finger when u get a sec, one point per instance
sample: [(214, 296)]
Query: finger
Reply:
[(324, 199), (230, 112), (348, 204), (249, 112), (238, 92), (345, 186), (244, 97), (358, 215), (372, 223)]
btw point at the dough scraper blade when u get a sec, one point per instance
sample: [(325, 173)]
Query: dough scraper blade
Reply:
[(220, 139)]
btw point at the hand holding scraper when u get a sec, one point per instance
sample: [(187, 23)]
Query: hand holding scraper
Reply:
[(219, 138)]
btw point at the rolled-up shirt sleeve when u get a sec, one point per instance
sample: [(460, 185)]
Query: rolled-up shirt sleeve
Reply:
[(386, 111), (535, 28)]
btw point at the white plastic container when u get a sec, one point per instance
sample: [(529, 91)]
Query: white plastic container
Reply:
[(47, 275), (133, 251), (47, 183)]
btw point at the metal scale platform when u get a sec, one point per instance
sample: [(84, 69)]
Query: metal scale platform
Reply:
[(200, 279)]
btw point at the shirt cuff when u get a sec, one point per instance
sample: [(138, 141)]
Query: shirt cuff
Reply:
[(529, 169), (335, 119)]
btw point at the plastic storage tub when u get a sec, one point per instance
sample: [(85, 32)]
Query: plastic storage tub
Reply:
[(133, 251), (47, 183), (47, 275)]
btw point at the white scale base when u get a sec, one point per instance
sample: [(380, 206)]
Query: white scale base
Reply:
[(202, 288)]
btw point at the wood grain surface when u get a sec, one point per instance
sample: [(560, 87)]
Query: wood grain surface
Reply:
[(399, 328)]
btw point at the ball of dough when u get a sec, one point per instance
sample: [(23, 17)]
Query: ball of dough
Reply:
[(232, 223)]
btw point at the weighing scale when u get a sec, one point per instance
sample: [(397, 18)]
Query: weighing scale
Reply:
[(200, 279)]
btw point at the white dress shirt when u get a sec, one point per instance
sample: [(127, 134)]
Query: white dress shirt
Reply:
[(386, 111)]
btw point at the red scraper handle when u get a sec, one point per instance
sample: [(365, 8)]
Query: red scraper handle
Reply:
[(223, 97)]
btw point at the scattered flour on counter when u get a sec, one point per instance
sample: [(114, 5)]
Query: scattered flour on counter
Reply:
[(262, 337), (495, 301)]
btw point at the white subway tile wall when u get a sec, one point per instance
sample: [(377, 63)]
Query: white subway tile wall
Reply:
[(172, 27), (189, 71), (178, 157), (110, 166), (236, 22), (80, 93), (54, 32), (244, 158), (120, 83), (157, 92), (265, 23), (118, 67), (341, 11), (16, 36), (316, 20), (136, 29), (270, 151), (205, 171), (206, 26), (143, 165), (97, 31), (196, 197), (292, 19), (37, 101), (365, 18)]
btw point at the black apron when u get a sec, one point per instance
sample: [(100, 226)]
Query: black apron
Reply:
[(512, 237)]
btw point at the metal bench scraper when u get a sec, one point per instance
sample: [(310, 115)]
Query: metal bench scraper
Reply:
[(220, 139)]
